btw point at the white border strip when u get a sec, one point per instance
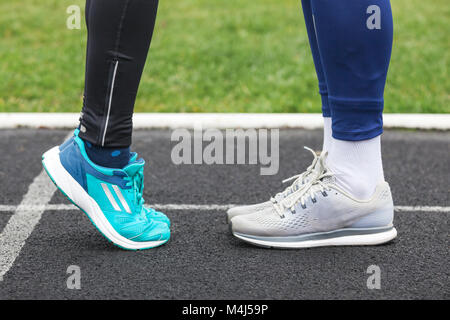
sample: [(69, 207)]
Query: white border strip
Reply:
[(221, 120), (198, 207)]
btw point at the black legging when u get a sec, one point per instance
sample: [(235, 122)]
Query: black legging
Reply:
[(119, 35)]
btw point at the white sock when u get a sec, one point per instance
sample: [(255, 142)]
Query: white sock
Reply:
[(357, 165), (326, 134)]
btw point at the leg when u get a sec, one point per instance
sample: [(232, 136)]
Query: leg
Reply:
[(95, 168), (355, 42), (354, 39), (119, 35)]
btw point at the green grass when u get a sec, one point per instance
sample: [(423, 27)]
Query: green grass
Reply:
[(216, 56)]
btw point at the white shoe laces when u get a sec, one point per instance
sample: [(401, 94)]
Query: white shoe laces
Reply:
[(315, 185), (299, 179)]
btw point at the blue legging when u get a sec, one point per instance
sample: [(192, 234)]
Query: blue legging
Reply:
[(351, 43)]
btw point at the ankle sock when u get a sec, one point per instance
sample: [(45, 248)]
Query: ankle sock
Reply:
[(357, 165), (108, 157), (326, 134)]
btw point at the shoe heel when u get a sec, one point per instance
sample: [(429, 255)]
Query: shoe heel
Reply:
[(379, 218)]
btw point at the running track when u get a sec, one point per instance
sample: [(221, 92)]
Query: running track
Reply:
[(41, 234)]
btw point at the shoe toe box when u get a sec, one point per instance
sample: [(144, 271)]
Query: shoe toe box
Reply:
[(155, 231), (251, 224), (153, 215), (244, 210)]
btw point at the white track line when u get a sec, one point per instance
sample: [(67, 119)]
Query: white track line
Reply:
[(222, 120), (21, 224), (198, 207), (422, 208), (28, 213), (25, 218)]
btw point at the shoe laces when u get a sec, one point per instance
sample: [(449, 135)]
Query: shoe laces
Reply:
[(299, 179), (319, 183), (137, 185)]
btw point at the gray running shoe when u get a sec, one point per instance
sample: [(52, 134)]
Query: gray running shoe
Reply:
[(320, 214)]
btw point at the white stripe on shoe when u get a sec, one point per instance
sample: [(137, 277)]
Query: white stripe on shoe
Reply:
[(110, 197), (121, 198)]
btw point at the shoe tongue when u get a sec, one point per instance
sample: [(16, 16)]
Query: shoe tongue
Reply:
[(133, 167), (133, 157)]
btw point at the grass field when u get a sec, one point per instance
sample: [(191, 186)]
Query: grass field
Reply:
[(216, 56)]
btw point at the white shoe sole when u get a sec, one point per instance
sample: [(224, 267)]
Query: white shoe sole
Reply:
[(332, 238), (78, 196)]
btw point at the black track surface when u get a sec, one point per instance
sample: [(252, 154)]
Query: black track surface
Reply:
[(202, 260)]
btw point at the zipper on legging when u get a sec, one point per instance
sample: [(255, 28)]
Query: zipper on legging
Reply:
[(109, 98)]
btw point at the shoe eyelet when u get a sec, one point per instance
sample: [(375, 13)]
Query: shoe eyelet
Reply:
[(325, 194), (314, 200), (304, 206)]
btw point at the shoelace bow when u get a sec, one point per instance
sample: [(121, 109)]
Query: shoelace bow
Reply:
[(299, 179), (317, 184)]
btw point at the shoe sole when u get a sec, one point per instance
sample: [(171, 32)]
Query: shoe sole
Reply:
[(75, 193), (341, 237)]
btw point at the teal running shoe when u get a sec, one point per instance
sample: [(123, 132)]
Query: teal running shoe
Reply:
[(111, 198)]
